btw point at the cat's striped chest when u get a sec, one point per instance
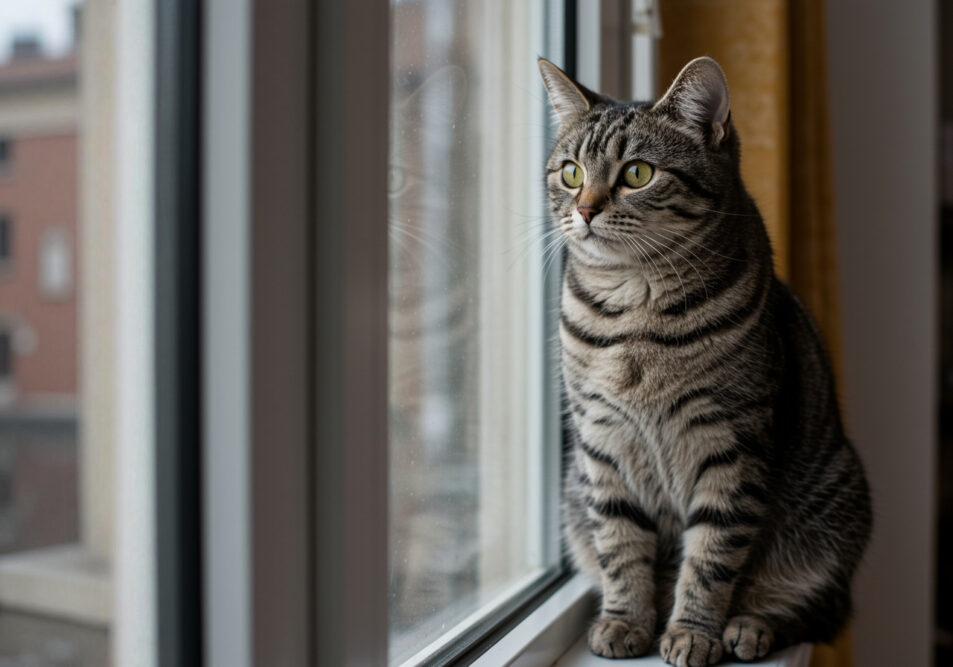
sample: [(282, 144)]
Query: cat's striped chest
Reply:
[(620, 388)]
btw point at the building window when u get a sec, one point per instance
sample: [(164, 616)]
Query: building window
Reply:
[(6, 153), (6, 240), (56, 264), (8, 385), (6, 356)]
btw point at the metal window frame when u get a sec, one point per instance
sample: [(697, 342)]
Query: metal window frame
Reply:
[(257, 376), (225, 502), (177, 332)]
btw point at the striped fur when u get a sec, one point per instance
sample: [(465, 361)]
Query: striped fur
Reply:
[(710, 488)]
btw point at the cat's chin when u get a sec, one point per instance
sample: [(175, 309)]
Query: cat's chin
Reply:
[(594, 247)]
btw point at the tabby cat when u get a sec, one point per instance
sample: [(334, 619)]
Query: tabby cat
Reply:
[(710, 487)]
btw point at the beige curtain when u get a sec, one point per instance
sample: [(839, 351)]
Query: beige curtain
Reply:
[(773, 53)]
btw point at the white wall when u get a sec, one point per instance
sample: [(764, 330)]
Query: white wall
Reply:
[(883, 70)]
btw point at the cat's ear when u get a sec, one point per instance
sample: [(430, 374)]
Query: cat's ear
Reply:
[(569, 98), (699, 96)]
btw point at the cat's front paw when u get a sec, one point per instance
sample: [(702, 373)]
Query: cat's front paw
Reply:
[(748, 637), (620, 637), (690, 648)]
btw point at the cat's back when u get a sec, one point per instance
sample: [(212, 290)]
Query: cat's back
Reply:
[(820, 479), (806, 406)]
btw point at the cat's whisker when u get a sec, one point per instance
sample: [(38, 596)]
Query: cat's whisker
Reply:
[(436, 251), (690, 264), (638, 258), (528, 216), (540, 222), (524, 246), (554, 248), (403, 247), (524, 253), (702, 246), (412, 225), (627, 241), (677, 274), (658, 271), (565, 229), (739, 215), (534, 233), (531, 231), (528, 234), (680, 244), (405, 254)]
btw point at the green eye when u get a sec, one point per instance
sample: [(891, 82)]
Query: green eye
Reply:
[(637, 173), (572, 175)]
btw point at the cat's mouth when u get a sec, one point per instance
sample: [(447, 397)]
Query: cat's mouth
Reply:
[(592, 233), (598, 236)]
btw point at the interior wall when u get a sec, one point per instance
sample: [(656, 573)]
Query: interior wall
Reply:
[(883, 73)]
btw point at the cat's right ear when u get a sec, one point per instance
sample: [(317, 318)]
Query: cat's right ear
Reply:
[(699, 96), (569, 98)]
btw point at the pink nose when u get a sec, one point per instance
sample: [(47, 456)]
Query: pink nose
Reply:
[(588, 212)]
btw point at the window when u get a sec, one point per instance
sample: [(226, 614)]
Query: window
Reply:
[(473, 420), (308, 241), (6, 356), (6, 240), (75, 568), (55, 264), (6, 153), (8, 395)]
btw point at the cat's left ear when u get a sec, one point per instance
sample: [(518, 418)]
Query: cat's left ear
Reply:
[(569, 98), (699, 96)]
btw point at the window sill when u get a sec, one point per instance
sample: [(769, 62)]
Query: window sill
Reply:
[(554, 634), (549, 631), (580, 656), (65, 582)]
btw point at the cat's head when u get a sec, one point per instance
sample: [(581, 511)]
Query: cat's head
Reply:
[(623, 176)]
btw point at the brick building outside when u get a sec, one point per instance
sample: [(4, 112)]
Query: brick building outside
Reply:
[(38, 299)]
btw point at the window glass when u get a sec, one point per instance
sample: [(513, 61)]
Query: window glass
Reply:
[(39, 417), (6, 152), (6, 239), (56, 264), (6, 355), (55, 448), (472, 485)]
